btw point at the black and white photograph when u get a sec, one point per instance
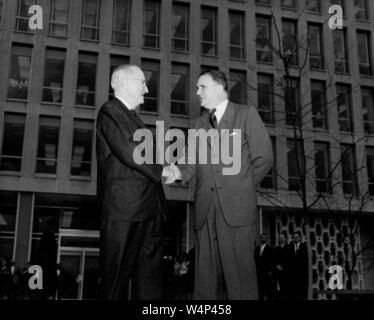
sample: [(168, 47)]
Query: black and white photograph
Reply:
[(187, 153)]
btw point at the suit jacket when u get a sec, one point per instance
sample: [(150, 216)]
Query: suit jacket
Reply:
[(236, 193), (265, 261), (298, 264), (126, 190), (282, 256)]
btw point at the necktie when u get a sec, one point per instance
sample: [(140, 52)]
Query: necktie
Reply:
[(213, 118)]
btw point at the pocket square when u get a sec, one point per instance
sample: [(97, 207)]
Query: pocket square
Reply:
[(232, 134)]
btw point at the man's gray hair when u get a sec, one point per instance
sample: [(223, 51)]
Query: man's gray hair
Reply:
[(122, 70)]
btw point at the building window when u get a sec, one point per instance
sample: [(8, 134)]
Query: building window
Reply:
[(368, 110), (90, 20), (237, 35), (53, 75), (292, 102), (370, 168), (340, 51), (151, 71), (263, 39), (340, 3), (266, 2), (270, 180), (209, 32), (46, 161), (151, 27), (11, 150), (343, 94), (238, 87), (319, 105), (121, 22), (8, 214), (1, 11), (181, 27), (322, 165), (315, 47), (295, 164), (361, 9), (313, 5), (19, 77), (349, 172), (289, 41), (23, 17), (290, 4), (265, 98), (115, 61), (86, 83), (363, 41), (58, 20), (179, 89), (82, 148)]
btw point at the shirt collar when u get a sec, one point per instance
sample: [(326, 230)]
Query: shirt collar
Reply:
[(127, 105), (220, 110)]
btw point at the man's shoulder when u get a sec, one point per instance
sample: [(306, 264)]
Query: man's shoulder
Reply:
[(109, 107), (197, 122), (240, 107)]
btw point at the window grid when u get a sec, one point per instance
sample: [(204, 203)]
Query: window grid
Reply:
[(121, 22), (316, 60), (237, 35), (209, 32), (22, 19), (151, 25), (58, 20), (90, 20), (263, 39), (181, 28)]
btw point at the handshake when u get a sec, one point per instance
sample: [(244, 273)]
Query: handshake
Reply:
[(172, 173)]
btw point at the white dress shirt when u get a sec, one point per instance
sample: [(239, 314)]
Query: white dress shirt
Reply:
[(124, 102), (220, 110)]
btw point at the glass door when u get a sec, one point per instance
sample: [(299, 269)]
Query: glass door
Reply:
[(78, 275)]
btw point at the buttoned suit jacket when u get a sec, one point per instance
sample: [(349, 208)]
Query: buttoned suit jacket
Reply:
[(236, 193), (127, 191)]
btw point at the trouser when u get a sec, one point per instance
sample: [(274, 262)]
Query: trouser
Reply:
[(131, 250), (225, 266)]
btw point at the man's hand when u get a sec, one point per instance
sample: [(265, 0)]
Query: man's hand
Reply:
[(172, 173)]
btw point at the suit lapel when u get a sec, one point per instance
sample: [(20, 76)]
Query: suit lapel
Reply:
[(227, 120), (130, 114)]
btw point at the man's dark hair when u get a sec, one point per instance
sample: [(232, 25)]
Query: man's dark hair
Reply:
[(217, 76)]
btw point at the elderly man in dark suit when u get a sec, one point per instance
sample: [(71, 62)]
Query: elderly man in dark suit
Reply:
[(130, 195), (226, 219)]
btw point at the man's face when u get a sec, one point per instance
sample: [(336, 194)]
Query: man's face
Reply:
[(296, 238), (209, 92), (282, 239), (136, 87)]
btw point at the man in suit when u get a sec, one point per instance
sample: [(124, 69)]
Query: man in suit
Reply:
[(226, 219), (298, 267), (131, 196), (282, 267), (264, 259)]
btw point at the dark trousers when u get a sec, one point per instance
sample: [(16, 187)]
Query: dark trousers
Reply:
[(225, 267), (131, 250)]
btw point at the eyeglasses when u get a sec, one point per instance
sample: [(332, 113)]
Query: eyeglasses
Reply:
[(144, 82)]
